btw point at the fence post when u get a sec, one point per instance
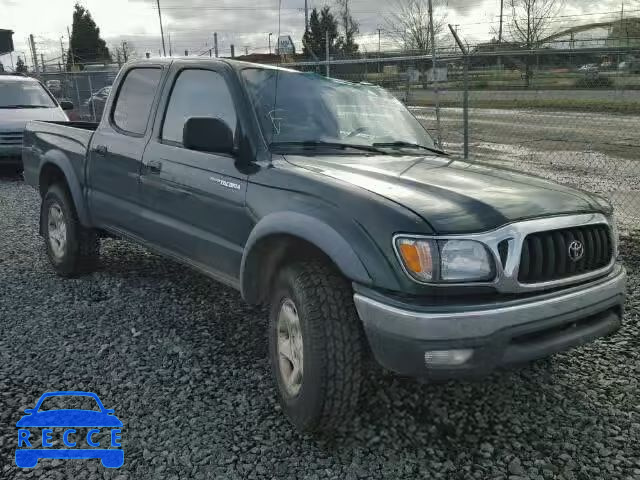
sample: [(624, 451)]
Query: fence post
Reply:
[(326, 51), (465, 100), (465, 106), (93, 107), (75, 82)]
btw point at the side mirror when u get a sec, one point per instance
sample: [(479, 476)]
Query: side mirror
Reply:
[(207, 134), (109, 411), (66, 105), (29, 411)]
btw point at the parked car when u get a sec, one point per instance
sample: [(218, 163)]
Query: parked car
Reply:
[(94, 105), (55, 87), (630, 66), (589, 68), (330, 203), (23, 99)]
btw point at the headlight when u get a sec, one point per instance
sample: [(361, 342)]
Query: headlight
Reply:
[(445, 261), (464, 260)]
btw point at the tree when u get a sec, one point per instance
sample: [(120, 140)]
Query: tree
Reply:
[(530, 22), (409, 25), (625, 33), (86, 46), (350, 28), (320, 25), (20, 66)]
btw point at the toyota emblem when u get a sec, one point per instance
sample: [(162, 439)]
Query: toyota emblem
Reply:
[(576, 250)]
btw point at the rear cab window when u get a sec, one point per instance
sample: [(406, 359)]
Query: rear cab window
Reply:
[(135, 100)]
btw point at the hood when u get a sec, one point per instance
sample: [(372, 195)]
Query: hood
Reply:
[(14, 119), (454, 196), (69, 418)]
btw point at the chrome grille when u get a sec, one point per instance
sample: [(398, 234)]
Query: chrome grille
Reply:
[(564, 253)]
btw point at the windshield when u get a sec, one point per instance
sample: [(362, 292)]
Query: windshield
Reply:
[(303, 107), (24, 94)]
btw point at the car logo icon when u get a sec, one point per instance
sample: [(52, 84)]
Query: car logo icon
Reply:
[(576, 250), (27, 455)]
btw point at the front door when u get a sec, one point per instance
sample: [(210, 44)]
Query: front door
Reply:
[(195, 201)]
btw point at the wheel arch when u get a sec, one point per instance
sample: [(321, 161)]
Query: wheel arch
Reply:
[(284, 237), (56, 167)]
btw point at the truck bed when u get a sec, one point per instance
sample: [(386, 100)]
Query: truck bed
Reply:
[(68, 141)]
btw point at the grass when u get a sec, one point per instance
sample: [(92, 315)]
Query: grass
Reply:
[(592, 106)]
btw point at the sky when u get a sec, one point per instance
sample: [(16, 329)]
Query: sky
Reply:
[(247, 23)]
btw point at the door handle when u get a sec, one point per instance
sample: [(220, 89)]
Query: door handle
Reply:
[(154, 166), (100, 150)]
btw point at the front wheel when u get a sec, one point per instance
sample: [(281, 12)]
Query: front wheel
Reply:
[(316, 346)]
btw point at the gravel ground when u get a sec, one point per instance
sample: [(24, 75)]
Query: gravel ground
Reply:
[(184, 364)]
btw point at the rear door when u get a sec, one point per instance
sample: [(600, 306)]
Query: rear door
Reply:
[(116, 150), (195, 201)]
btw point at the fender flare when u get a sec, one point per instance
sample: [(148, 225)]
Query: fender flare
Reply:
[(60, 160), (310, 229)]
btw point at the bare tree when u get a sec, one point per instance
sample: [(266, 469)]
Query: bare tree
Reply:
[(531, 20), (349, 26), (409, 24)]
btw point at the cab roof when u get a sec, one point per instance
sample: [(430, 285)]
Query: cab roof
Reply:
[(236, 64)]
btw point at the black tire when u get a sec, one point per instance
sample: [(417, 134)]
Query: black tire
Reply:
[(333, 346), (82, 247)]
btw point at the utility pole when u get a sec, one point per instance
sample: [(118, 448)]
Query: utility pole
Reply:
[(379, 30), (501, 20), (164, 50), (246, 50), (43, 65), (233, 51), (34, 53), (306, 16), (62, 50), (215, 43), (73, 57), (125, 55), (270, 42), (435, 82), (170, 48), (186, 53)]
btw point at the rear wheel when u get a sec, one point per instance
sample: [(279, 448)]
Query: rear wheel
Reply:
[(72, 249), (316, 345)]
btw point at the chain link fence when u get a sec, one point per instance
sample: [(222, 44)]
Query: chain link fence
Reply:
[(572, 116), (87, 90)]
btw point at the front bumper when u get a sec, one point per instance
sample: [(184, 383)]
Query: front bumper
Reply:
[(497, 334)]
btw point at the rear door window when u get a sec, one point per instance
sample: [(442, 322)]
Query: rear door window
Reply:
[(135, 99)]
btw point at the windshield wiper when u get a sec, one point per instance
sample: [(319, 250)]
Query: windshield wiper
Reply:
[(400, 144), (312, 144), (23, 106)]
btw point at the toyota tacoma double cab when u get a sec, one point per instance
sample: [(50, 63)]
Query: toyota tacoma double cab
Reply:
[(328, 202)]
